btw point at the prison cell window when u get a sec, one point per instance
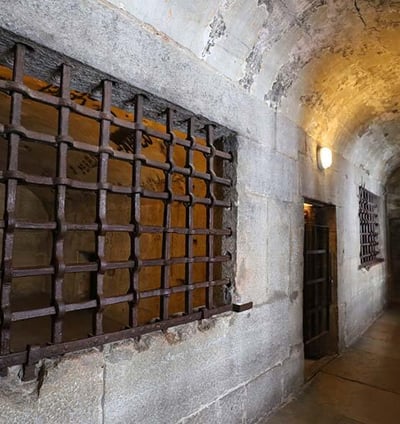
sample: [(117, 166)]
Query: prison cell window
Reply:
[(369, 228), (112, 224)]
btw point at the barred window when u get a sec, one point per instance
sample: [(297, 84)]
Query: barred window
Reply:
[(369, 227), (112, 223)]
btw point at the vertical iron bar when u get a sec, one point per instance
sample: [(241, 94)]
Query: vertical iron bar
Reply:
[(101, 206), (328, 281), (210, 215), (60, 233), (11, 195), (135, 210), (317, 285), (189, 219), (166, 246)]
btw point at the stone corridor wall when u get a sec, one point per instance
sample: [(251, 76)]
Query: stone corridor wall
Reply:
[(362, 293), (233, 368)]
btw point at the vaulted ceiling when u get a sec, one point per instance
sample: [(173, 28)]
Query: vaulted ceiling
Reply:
[(331, 65)]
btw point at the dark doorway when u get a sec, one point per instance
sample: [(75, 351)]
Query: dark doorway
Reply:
[(320, 284), (394, 234)]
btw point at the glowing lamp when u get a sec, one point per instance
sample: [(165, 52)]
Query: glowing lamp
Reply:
[(324, 155)]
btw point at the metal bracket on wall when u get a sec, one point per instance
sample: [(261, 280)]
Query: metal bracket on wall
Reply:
[(30, 365), (242, 307)]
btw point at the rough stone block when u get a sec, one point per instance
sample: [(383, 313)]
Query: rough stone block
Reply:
[(263, 394), (293, 371), (210, 415), (169, 369), (289, 137), (72, 390), (264, 339), (228, 409), (179, 23), (252, 253), (232, 407), (18, 400), (264, 172), (296, 240), (231, 351), (278, 250), (295, 317)]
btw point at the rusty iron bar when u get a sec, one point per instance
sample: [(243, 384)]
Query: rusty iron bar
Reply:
[(44, 98), (135, 212), (91, 304), (316, 282), (210, 214), (189, 217), (23, 225), (10, 206), (93, 266), (98, 265), (101, 204), (60, 233), (167, 236), (368, 204)]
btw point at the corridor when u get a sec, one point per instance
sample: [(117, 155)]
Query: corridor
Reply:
[(362, 385), (194, 197)]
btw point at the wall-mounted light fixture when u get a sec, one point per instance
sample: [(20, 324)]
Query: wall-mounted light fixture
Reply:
[(324, 156)]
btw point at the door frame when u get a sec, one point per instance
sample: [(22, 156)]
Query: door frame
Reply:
[(327, 217)]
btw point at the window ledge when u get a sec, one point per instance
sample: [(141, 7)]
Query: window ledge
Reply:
[(368, 265)]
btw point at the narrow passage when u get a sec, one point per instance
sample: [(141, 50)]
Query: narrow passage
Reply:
[(362, 385)]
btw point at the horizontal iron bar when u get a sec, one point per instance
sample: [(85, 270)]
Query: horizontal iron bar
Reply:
[(106, 266), (105, 301), (128, 190), (181, 289), (313, 339), (53, 350), (316, 252), (315, 281), (50, 100), (115, 228)]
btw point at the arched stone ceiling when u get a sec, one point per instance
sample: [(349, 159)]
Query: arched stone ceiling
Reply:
[(331, 65), (377, 149), (350, 78)]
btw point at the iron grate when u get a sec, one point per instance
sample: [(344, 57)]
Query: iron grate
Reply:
[(369, 227), (122, 141)]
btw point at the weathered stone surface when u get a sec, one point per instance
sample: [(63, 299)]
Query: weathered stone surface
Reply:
[(289, 137), (210, 414), (228, 60), (252, 276), (278, 250), (168, 71), (18, 400), (232, 407), (293, 371), (268, 173), (72, 390), (257, 398), (199, 368)]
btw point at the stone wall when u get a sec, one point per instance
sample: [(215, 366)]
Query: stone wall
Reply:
[(232, 368), (393, 227), (361, 292)]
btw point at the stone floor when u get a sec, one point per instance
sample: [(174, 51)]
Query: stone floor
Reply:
[(362, 385)]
